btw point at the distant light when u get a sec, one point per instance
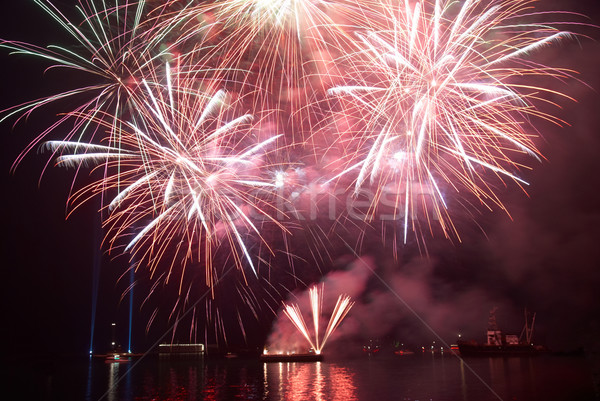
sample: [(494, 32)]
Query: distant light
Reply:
[(114, 324)]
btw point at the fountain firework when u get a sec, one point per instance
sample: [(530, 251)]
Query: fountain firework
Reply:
[(342, 307)]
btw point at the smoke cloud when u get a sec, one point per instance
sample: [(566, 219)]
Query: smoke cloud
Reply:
[(405, 303)]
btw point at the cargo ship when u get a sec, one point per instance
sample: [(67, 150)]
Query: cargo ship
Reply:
[(500, 344)]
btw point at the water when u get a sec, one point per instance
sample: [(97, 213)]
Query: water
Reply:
[(421, 377)]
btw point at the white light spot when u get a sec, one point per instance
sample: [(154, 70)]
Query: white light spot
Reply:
[(279, 179), (400, 156)]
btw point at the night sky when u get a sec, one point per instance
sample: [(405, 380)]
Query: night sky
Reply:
[(545, 258)]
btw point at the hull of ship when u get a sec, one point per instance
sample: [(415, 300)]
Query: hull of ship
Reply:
[(498, 350)]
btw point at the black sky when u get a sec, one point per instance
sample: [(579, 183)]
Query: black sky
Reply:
[(545, 258)]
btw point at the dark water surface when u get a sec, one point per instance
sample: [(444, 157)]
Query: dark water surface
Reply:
[(420, 377)]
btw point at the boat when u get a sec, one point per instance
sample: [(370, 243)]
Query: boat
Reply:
[(372, 347), (500, 344), (401, 350), (309, 357), (117, 358)]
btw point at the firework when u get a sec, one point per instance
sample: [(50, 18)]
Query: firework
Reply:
[(210, 122), (111, 47), (438, 103), (187, 177), (282, 52), (341, 309), (432, 93)]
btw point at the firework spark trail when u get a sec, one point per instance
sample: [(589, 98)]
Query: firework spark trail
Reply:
[(281, 51), (187, 173), (342, 307), (112, 49), (315, 303), (295, 315), (441, 103)]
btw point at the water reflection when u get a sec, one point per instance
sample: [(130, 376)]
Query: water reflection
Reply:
[(415, 378), (512, 375), (308, 381), (222, 380), (463, 381), (113, 378), (176, 380)]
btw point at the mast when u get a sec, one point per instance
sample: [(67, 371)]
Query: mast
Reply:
[(527, 329)]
